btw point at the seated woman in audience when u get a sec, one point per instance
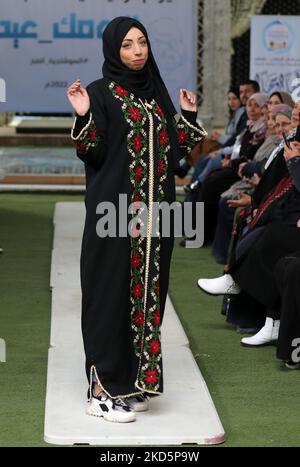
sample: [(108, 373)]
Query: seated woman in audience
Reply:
[(219, 180), (274, 170), (281, 115), (245, 148), (271, 233), (242, 309), (279, 120), (236, 111), (280, 97)]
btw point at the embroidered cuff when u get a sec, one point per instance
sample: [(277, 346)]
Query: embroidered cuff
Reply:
[(87, 137), (189, 134), (190, 118)]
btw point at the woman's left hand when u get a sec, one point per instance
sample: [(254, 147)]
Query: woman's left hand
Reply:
[(187, 100)]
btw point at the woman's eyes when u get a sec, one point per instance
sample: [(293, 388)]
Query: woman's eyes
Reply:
[(126, 46)]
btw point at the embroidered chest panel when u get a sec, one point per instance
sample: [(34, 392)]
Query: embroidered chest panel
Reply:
[(145, 287)]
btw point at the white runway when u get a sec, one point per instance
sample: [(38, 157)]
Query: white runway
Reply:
[(184, 414)]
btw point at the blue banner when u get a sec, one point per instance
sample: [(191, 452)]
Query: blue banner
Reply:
[(46, 45)]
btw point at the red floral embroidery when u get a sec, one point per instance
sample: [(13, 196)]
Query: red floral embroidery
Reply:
[(187, 135), (157, 289), (159, 111), (137, 198), (137, 143), (139, 173), (163, 138), (154, 347), (151, 376), (161, 168), (135, 261), (139, 318), (156, 318), (121, 92), (81, 146), (88, 139), (182, 137), (138, 290), (135, 114), (93, 135)]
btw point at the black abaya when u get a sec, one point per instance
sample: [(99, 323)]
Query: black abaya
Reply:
[(254, 273), (287, 273), (125, 146)]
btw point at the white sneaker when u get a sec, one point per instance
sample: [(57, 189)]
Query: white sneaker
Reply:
[(219, 286), (112, 410), (138, 403), (267, 335)]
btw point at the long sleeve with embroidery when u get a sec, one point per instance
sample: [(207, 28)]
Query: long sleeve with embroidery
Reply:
[(189, 132), (87, 140), (90, 138)]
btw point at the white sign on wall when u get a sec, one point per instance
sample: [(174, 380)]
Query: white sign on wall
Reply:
[(46, 44), (275, 52)]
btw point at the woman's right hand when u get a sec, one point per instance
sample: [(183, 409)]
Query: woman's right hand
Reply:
[(243, 201), (78, 98)]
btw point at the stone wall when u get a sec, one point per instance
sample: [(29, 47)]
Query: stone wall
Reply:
[(216, 62)]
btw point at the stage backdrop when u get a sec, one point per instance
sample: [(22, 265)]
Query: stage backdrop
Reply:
[(46, 44), (275, 52)]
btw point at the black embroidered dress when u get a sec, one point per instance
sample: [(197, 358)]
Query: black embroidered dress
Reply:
[(124, 143)]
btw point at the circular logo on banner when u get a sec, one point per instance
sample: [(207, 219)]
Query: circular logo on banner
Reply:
[(278, 37)]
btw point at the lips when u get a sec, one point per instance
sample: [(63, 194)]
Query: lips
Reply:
[(138, 61)]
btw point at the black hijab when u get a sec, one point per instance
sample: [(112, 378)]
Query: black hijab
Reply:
[(146, 83)]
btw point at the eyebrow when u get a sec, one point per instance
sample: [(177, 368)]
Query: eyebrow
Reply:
[(130, 40)]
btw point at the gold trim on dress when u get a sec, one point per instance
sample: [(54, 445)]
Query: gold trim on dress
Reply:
[(121, 396), (76, 138), (149, 229), (198, 129)]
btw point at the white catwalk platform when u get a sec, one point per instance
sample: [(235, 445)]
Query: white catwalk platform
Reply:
[(184, 414)]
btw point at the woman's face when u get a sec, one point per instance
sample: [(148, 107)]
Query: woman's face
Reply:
[(134, 50), (295, 115), (283, 125), (254, 111), (271, 123), (274, 100), (233, 102)]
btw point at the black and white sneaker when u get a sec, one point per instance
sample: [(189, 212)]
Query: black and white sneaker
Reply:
[(138, 403), (112, 410)]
